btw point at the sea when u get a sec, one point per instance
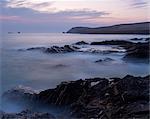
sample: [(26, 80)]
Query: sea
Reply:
[(40, 71), (35, 70)]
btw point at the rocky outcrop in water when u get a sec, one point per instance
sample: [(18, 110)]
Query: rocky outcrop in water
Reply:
[(113, 42), (81, 43), (147, 39), (100, 98), (64, 94), (27, 114), (56, 49), (105, 60), (136, 39), (19, 95), (133, 50), (138, 50), (73, 48)]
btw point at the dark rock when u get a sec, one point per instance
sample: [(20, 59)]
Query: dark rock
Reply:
[(100, 60), (64, 94), (81, 43), (27, 114), (136, 39), (138, 50), (112, 42), (19, 96), (59, 66), (133, 28), (147, 39), (100, 98), (10, 32), (70, 48), (36, 48), (104, 60), (133, 50), (108, 59), (56, 49), (120, 98)]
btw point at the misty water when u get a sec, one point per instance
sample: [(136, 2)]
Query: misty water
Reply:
[(40, 71)]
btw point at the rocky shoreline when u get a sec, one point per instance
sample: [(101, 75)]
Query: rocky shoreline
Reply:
[(132, 50), (27, 114), (97, 98), (138, 50)]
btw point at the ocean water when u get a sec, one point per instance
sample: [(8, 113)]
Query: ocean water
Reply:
[(41, 71)]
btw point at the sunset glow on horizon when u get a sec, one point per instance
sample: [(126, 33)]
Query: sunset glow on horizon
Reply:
[(59, 15)]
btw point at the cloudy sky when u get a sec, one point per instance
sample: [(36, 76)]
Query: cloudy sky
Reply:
[(61, 15)]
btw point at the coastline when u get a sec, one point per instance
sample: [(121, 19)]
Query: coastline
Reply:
[(91, 98)]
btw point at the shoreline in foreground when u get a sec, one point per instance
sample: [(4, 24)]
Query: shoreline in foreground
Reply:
[(90, 98)]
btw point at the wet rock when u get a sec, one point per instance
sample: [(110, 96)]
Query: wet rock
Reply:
[(119, 98), (72, 48), (37, 48), (136, 39), (147, 39), (64, 94), (59, 66), (18, 93), (19, 96), (1, 114), (56, 49), (81, 43), (138, 50), (99, 51), (112, 42), (126, 97), (27, 114), (75, 48), (100, 60), (108, 59), (133, 50), (104, 60)]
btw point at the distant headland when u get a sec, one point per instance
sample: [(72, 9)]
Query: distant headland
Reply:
[(132, 28)]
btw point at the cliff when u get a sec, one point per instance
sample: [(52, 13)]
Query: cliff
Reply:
[(134, 28)]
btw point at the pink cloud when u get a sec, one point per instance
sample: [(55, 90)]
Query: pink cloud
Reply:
[(18, 19), (10, 18)]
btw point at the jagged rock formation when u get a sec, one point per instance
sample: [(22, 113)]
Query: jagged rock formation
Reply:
[(81, 43), (136, 39), (56, 49), (133, 50), (107, 59), (27, 114), (147, 39), (113, 42), (100, 98), (120, 98), (77, 47), (138, 50)]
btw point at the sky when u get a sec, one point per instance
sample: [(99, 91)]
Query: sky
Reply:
[(61, 15)]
